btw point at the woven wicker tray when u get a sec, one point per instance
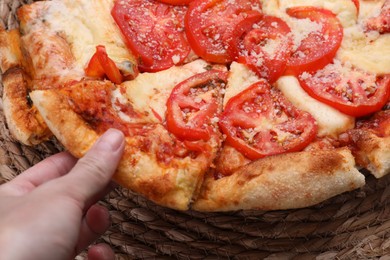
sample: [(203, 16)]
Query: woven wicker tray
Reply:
[(354, 225)]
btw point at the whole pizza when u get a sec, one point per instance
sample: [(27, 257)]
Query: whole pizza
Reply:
[(225, 104)]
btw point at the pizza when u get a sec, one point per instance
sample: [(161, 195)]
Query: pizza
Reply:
[(225, 104)]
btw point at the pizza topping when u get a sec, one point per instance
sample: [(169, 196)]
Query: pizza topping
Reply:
[(94, 102), (264, 44), (154, 32), (349, 90), (101, 65), (193, 105), (320, 46), (379, 123), (209, 24), (260, 122), (381, 23)]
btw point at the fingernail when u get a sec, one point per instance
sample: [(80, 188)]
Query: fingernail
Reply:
[(112, 140)]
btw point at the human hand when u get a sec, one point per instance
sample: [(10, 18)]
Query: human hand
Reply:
[(49, 211)]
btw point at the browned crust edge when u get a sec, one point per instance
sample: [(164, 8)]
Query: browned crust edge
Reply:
[(286, 181)]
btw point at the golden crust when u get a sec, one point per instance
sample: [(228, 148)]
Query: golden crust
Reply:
[(23, 120), (10, 52), (67, 126), (285, 181), (171, 185), (373, 152)]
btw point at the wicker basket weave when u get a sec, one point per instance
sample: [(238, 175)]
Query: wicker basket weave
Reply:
[(355, 225)]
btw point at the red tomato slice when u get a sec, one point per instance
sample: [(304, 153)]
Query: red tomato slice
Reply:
[(100, 65), (259, 122), (347, 89), (319, 47), (209, 24), (264, 44), (154, 32), (176, 2), (193, 104)]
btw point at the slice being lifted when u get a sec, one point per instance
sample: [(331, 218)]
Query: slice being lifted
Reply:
[(156, 164)]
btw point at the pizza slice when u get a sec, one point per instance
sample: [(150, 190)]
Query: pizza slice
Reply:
[(164, 167), (261, 164)]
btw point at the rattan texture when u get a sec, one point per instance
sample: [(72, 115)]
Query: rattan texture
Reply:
[(355, 225)]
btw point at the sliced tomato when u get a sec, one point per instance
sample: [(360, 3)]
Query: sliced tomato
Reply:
[(381, 23), (193, 104), (209, 24), (176, 2), (347, 89), (154, 32), (264, 44), (259, 122), (320, 46), (101, 65), (94, 69)]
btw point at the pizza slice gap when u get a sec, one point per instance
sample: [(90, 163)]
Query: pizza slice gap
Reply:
[(156, 164)]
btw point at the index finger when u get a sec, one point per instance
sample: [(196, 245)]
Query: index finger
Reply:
[(50, 168)]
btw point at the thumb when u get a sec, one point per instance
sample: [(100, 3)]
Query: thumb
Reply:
[(93, 172)]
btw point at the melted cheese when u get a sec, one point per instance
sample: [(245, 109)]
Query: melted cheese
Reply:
[(370, 8), (149, 92), (330, 121), (368, 51), (86, 24), (240, 78)]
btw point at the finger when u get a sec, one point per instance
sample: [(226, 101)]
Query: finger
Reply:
[(101, 194), (95, 223), (50, 168), (100, 252), (93, 172)]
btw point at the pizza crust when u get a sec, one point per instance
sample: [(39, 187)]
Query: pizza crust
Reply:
[(373, 152), (171, 186), (23, 120), (285, 181), (10, 52)]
